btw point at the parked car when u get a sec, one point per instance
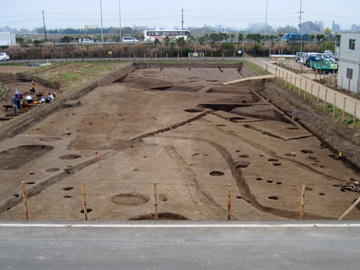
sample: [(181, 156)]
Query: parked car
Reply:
[(310, 56), (329, 53), (303, 58), (85, 40), (315, 59), (4, 56), (129, 39)]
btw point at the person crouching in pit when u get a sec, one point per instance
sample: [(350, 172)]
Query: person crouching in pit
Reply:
[(29, 99)]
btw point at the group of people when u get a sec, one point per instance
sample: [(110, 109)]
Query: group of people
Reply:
[(17, 99)]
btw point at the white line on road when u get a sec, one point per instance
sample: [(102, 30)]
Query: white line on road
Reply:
[(190, 226)]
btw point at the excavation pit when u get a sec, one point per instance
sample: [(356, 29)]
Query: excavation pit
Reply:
[(130, 199), (193, 110), (161, 216), (70, 157), (216, 173), (242, 165), (191, 152), (15, 158)]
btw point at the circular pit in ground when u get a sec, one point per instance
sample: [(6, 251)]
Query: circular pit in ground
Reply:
[(130, 199), (216, 173), (161, 216)]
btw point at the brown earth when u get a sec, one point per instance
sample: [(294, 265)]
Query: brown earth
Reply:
[(188, 133)]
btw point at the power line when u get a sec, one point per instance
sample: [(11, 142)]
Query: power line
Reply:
[(240, 14), (328, 15), (19, 15), (25, 20), (112, 14)]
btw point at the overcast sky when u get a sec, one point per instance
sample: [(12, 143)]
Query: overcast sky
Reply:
[(167, 13)]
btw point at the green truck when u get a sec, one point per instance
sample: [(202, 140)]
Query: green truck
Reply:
[(326, 64)]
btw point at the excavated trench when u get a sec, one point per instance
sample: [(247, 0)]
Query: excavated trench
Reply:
[(247, 105)]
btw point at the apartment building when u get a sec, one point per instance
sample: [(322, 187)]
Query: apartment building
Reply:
[(349, 61)]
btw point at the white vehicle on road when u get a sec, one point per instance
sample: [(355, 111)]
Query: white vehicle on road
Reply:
[(4, 57), (129, 39)]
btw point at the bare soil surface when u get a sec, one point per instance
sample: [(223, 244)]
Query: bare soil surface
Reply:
[(15, 69), (186, 132)]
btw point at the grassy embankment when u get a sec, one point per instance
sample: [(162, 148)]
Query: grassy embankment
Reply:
[(347, 119), (70, 76)]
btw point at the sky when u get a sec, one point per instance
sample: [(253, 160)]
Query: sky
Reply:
[(167, 14)]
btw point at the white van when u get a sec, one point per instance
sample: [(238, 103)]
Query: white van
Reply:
[(4, 56), (129, 39), (85, 40)]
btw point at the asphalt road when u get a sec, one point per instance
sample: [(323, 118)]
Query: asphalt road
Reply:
[(180, 245)]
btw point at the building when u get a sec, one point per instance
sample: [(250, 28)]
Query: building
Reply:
[(91, 27), (310, 27), (7, 39), (139, 28), (335, 27), (321, 25), (354, 28), (349, 61)]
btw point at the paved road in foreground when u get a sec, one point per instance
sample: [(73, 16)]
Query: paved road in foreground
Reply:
[(178, 245)]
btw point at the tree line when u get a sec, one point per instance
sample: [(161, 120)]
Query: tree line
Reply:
[(213, 44)]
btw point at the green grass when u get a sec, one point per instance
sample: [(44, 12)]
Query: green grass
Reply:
[(14, 64), (348, 118), (183, 61), (70, 76), (258, 70), (2, 90)]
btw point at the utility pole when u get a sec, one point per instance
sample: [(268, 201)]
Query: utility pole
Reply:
[(300, 28), (182, 19), (46, 39), (244, 45), (102, 33), (267, 27), (120, 19)]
